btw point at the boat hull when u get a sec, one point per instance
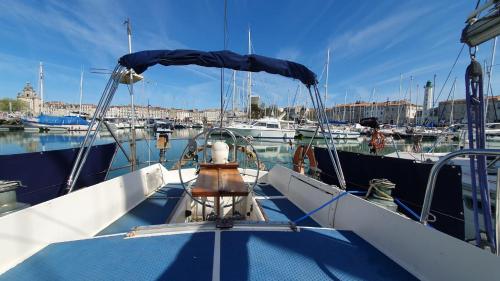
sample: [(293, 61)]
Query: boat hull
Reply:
[(43, 175), (410, 178), (335, 134), (265, 133)]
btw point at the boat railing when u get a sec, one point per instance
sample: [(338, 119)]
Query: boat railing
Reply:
[(431, 183)]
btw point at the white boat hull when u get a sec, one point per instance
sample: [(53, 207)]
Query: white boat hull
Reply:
[(335, 134), (29, 124), (265, 133)]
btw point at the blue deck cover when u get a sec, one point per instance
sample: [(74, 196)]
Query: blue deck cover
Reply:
[(170, 257), (311, 254), (266, 190), (282, 210), (154, 210)]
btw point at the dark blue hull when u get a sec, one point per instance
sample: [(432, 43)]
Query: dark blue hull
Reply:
[(410, 178), (44, 174)]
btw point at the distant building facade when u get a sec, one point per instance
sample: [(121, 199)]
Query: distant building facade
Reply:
[(29, 97), (255, 100), (388, 112), (443, 113)]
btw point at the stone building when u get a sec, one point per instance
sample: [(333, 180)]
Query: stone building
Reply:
[(29, 96), (388, 112), (443, 112)]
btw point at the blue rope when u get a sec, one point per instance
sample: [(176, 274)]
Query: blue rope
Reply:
[(340, 195), (402, 205)]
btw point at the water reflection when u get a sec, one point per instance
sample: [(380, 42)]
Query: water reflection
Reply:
[(270, 152)]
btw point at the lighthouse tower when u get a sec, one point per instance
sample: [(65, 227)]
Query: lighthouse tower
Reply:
[(426, 107)]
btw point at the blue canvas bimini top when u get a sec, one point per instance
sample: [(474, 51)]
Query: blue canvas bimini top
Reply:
[(140, 61)]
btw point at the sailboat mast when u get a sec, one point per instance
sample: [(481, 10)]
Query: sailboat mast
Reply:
[(234, 91), (132, 106), (40, 85), (372, 100), (81, 92), (416, 105), (453, 100), (400, 97), (249, 83), (407, 111), (327, 66), (345, 105)]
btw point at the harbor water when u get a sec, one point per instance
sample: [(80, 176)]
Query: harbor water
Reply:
[(271, 152)]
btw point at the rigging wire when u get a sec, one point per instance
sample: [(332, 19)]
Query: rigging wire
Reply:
[(449, 73), (222, 69)]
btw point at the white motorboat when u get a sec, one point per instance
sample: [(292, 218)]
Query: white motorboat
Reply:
[(335, 133), (267, 127)]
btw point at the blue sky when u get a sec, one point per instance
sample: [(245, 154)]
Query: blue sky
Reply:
[(371, 42)]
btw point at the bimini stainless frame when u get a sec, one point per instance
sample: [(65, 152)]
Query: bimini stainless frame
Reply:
[(140, 61), (97, 119)]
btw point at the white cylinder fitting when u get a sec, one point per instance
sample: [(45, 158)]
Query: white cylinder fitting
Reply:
[(220, 152)]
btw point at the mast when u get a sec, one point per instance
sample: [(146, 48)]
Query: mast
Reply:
[(249, 83), (222, 69), (132, 106), (234, 92), (453, 100), (242, 95), (327, 66), (40, 85), (345, 105), (400, 92), (372, 101), (407, 111), (416, 105), (81, 92)]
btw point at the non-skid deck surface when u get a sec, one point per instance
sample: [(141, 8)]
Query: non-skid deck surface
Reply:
[(266, 190), (154, 210), (171, 257), (283, 210), (310, 254), (279, 209)]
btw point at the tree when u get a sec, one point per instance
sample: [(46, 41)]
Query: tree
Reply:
[(17, 105)]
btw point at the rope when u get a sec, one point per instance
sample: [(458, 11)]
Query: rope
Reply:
[(340, 195), (410, 211), (381, 189)]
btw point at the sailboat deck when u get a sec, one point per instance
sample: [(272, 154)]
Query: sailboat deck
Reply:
[(277, 208), (309, 254), (156, 209)]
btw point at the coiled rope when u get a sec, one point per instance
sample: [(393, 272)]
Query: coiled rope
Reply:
[(381, 189)]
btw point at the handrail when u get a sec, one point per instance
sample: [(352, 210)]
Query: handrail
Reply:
[(431, 183)]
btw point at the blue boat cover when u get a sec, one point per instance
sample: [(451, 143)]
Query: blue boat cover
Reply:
[(62, 120), (339, 122), (140, 61)]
